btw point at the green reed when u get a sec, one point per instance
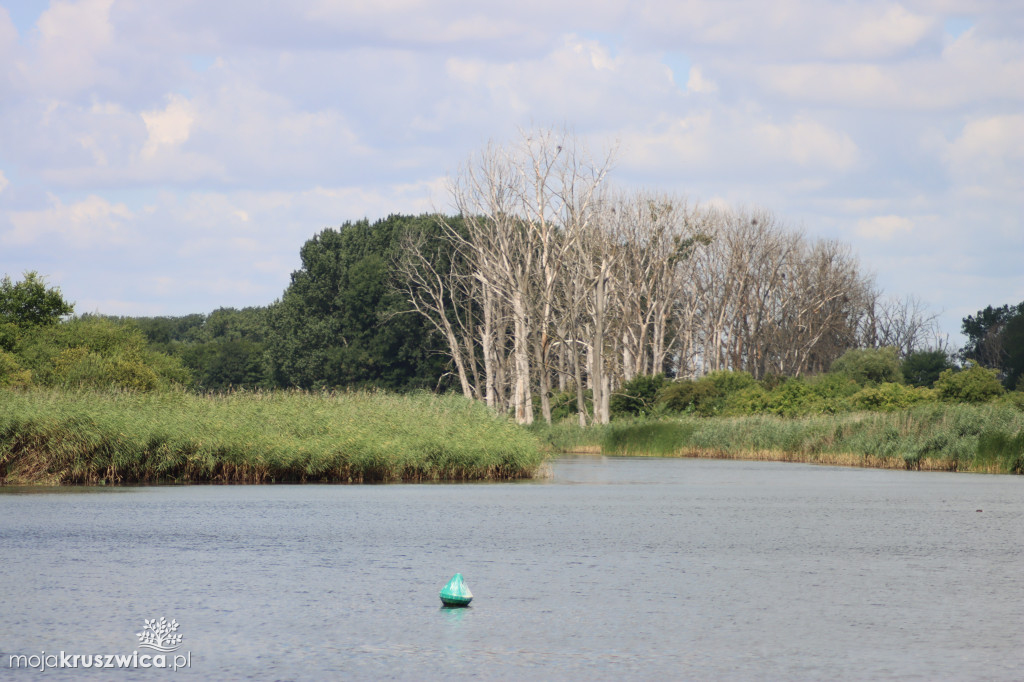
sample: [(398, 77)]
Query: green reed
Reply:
[(255, 437), (985, 438)]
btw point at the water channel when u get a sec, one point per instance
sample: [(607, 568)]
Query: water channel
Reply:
[(614, 568)]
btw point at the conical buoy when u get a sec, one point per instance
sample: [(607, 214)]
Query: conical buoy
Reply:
[(455, 593)]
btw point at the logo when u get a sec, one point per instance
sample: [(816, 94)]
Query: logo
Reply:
[(159, 635)]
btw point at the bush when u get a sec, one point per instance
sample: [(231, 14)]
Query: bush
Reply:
[(835, 391), (922, 368), (12, 373), (972, 385), (751, 400), (637, 396), (727, 381), (794, 397), (869, 366), (95, 353), (1015, 399), (890, 396), (690, 396)]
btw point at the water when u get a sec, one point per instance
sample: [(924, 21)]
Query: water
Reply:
[(613, 569)]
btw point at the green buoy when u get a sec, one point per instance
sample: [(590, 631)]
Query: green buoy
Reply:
[(455, 593)]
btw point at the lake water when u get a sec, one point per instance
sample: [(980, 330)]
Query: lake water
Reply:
[(612, 569)]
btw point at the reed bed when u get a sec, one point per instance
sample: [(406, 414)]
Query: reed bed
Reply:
[(944, 437), (60, 437)]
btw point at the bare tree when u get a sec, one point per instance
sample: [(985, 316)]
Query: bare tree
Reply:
[(554, 278), (905, 323), (438, 293)]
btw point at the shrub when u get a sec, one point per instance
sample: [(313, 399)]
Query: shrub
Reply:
[(923, 367), (751, 400), (12, 373), (972, 385), (727, 381), (794, 397), (834, 390), (563, 404), (1015, 399), (637, 396), (869, 366), (827, 385), (95, 353), (890, 396), (690, 396)]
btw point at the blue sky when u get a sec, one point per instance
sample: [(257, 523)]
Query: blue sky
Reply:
[(162, 158)]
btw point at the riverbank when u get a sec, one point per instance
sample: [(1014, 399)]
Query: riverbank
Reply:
[(937, 437), (93, 437)]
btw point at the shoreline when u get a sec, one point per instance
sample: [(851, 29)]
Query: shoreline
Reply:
[(849, 460)]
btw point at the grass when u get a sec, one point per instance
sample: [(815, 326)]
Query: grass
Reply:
[(937, 436), (61, 437)]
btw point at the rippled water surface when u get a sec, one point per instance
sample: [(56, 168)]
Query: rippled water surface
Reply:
[(615, 568)]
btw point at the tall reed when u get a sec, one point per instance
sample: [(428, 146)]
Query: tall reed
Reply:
[(255, 437), (937, 436)]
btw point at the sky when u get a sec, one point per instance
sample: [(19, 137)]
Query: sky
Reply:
[(166, 158)]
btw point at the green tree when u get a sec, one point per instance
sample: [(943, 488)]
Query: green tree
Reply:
[(226, 363), (637, 396), (225, 349), (995, 338), (30, 302), (982, 331), (1012, 341), (164, 333), (869, 366), (340, 321), (923, 367)]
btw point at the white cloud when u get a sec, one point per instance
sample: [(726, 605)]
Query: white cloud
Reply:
[(698, 83), (884, 227), (3, 181), (94, 223), (71, 38), (738, 143), (972, 69), (889, 29), (580, 81), (987, 159), (169, 127), (8, 33), (788, 29)]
